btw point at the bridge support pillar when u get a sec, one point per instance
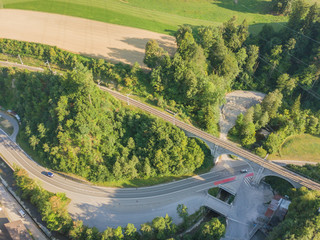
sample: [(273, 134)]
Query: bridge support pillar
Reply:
[(214, 153), (257, 176)]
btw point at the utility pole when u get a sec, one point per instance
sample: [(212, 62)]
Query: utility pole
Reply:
[(174, 119), (47, 62), (128, 98), (20, 59)]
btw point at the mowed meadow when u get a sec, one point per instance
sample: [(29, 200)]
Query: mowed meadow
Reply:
[(303, 147), (163, 16)]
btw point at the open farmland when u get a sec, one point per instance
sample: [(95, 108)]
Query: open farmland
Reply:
[(87, 37), (162, 16)]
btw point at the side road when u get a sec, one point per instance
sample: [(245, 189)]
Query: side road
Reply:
[(12, 207)]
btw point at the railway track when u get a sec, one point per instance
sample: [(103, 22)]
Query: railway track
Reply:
[(221, 143)]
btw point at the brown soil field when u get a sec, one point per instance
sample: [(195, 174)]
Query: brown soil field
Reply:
[(91, 38)]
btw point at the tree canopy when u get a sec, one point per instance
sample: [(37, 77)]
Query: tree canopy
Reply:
[(75, 127)]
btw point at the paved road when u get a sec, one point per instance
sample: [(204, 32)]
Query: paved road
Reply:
[(13, 154), (12, 207), (226, 145), (102, 207)]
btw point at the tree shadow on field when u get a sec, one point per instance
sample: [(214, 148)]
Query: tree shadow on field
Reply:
[(245, 6), (170, 32), (126, 56), (166, 42), (120, 55), (136, 54), (256, 28)]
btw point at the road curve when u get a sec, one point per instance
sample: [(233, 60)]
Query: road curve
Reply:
[(229, 146), (13, 154)]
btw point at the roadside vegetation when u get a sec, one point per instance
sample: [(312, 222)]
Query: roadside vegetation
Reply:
[(52, 206), (162, 16), (302, 220), (278, 185), (53, 209), (214, 191), (308, 170)]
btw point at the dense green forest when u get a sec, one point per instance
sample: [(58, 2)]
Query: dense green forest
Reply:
[(52, 206), (53, 209), (203, 70), (303, 218), (288, 70), (75, 127), (211, 61)]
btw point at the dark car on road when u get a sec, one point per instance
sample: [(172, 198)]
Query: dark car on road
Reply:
[(244, 170), (49, 174)]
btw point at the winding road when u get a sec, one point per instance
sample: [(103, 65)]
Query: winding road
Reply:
[(105, 206), (14, 155)]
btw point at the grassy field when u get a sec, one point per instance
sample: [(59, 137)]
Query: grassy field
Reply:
[(162, 16), (302, 147)]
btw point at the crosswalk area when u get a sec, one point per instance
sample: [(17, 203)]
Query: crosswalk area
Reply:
[(248, 181)]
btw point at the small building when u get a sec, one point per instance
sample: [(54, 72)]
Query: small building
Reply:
[(17, 230), (273, 206), (4, 235), (262, 133), (277, 210)]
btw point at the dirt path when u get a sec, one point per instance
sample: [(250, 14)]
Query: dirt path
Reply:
[(236, 102), (97, 39)]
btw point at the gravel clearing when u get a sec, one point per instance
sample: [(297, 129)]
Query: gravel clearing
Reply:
[(236, 102)]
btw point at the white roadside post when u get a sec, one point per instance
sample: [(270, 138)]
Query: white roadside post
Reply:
[(20, 59), (174, 119), (128, 98)]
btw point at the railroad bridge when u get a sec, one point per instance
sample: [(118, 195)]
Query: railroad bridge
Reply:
[(223, 147), (259, 171)]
